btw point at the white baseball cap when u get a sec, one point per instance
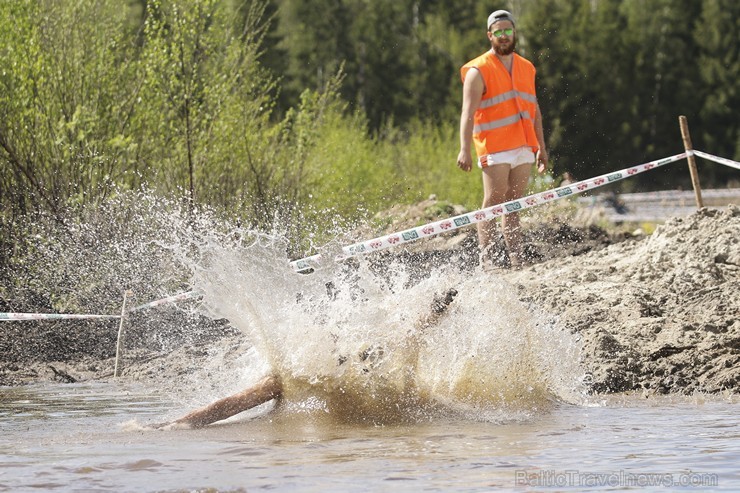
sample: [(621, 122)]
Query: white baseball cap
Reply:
[(499, 15)]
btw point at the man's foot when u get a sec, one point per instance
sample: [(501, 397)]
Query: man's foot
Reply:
[(493, 257), (528, 256), (516, 262)]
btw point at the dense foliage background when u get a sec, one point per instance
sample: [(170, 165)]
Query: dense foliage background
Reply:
[(281, 110)]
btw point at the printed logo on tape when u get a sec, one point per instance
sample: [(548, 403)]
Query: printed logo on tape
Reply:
[(357, 249), (513, 207), (614, 177), (564, 192), (410, 235), (460, 221)]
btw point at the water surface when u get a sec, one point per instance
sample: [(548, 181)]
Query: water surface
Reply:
[(80, 438)]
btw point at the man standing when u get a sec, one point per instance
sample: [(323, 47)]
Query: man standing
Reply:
[(501, 116)]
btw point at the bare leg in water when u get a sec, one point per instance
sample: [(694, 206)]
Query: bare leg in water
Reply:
[(270, 387), (265, 390)]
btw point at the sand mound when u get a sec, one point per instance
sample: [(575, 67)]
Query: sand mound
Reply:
[(662, 314)]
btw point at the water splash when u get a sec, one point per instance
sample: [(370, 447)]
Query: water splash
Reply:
[(347, 340)]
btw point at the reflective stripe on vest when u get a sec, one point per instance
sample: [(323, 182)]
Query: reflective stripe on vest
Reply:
[(505, 97), (524, 115)]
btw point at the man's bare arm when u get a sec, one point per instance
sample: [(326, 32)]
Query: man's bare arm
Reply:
[(473, 88)]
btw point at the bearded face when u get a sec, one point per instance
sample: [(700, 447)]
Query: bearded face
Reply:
[(503, 44)]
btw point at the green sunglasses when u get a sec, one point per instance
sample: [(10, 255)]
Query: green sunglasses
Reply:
[(500, 32)]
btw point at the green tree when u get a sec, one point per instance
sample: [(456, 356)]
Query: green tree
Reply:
[(398, 56), (67, 92), (312, 44), (717, 37), (197, 71)]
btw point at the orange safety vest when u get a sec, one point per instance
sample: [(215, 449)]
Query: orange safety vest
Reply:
[(505, 118)]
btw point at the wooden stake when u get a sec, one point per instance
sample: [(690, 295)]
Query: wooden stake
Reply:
[(692, 162), (119, 342)]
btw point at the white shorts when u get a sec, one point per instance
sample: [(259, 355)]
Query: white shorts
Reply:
[(515, 157)]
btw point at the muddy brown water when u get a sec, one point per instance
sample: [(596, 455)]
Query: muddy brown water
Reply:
[(84, 438)]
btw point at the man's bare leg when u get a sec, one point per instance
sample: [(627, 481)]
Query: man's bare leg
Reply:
[(518, 179), (495, 185), (263, 391)]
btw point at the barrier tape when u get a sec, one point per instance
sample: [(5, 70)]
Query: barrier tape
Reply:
[(169, 299), (64, 316), (450, 224), (425, 231), (717, 159), (49, 316)]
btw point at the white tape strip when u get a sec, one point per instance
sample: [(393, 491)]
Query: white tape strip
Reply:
[(717, 159), (64, 316), (170, 299), (447, 225), (49, 316)]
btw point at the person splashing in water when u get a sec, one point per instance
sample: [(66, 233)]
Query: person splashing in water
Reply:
[(272, 387)]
